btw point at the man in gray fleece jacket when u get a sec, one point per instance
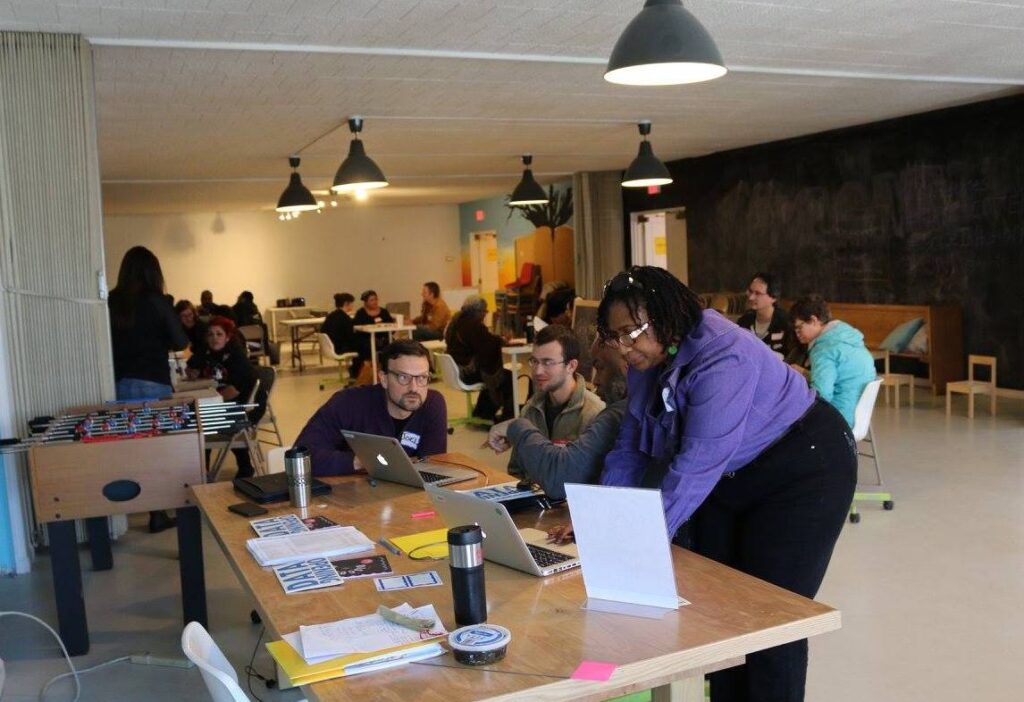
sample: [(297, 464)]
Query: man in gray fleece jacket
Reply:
[(551, 464)]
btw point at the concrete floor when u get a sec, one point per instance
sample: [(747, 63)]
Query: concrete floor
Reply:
[(930, 592)]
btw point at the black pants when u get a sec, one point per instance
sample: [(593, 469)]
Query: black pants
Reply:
[(778, 519)]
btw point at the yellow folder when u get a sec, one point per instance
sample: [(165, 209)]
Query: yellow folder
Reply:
[(427, 544), (301, 673)]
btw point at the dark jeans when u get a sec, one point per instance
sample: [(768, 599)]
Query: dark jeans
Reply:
[(778, 519)]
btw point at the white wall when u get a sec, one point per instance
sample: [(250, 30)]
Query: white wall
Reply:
[(393, 250)]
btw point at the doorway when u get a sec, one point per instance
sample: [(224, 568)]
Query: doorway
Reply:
[(483, 262), (658, 238)]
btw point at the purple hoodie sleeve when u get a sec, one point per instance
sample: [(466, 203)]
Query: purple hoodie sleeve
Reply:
[(625, 464), (717, 401), (322, 436)]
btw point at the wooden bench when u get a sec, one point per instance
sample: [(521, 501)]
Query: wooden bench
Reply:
[(945, 352)]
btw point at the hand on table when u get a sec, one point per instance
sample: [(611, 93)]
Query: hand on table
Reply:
[(562, 534), (497, 437)]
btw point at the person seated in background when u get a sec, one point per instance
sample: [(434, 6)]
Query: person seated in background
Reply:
[(226, 361), (558, 307), (434, 314), (478, 354), (552, 464), (245, 311), (195, 328), (841, 366), (765, 318), (209, 308), (338, 325), (400, 406), (561, 407), (371, 313)]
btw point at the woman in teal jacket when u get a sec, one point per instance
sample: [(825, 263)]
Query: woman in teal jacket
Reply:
[(841, 366)]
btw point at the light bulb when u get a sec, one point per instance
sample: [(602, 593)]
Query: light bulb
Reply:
[(361, 195)]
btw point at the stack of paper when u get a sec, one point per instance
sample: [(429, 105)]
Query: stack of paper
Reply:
[(357, 645), (336, 541), (289, 524), (315, 573)]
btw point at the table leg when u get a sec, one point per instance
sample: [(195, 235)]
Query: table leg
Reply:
[(294, 336), (373, 355), (190, 562), (515, 385), (686, 690), (99, 543), (67, 587)]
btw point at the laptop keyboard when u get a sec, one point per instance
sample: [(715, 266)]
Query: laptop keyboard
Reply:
[(429, 477), (546, 557)]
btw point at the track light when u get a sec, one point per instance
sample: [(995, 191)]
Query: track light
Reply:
[(357, 171), (529, 191), (664, 45), (646, 169), (296, 197)]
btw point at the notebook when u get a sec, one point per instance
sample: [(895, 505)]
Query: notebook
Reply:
[(385, 459), (523, 549)]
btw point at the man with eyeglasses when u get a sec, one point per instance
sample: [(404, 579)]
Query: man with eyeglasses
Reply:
[(764, 318), (561, 407), (400, 406)]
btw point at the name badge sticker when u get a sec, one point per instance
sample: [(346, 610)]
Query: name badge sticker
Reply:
[(410, 440)]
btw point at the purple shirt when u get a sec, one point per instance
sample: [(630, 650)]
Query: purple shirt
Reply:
[(721, 401), (365, 409)]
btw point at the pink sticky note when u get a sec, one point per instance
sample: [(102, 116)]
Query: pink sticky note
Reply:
[(594, 670), (423, 515)]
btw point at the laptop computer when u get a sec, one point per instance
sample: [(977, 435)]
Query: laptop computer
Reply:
[(504, 542), (385, 459)]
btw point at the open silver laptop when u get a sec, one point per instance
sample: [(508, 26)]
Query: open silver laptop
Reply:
[(384, 459), (504, 543)]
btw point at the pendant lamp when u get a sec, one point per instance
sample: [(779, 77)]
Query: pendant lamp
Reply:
[(529, 191), (664, 45), (296, 197), (357, 171), (646, 169)]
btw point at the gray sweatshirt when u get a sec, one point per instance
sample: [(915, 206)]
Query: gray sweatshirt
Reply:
[(580, 461)]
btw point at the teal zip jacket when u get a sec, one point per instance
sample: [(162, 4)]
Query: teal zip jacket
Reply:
[(841, 366)]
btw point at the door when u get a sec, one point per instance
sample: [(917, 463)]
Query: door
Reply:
[(483, 252)]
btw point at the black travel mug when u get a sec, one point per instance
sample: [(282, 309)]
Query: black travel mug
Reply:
[(466, 557)]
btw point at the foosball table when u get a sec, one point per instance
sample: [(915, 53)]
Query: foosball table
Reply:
[(91, 462)]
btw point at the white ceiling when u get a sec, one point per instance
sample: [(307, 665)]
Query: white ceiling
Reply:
[(201, 101)]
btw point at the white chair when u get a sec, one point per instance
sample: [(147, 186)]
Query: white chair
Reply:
[(218, 673), (224, 443), (344, 360), (862, 432), (971, 387), (435, 347), (450, 375)]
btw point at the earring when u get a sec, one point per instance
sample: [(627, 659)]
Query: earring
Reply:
[(673, 350)]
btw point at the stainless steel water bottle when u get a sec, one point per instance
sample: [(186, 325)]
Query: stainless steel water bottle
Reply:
[(466, 558), (299, 471)]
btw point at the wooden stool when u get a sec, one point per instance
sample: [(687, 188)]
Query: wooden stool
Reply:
[(970, 387)]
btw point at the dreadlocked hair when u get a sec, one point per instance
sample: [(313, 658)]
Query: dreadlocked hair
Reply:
[(672, 309)]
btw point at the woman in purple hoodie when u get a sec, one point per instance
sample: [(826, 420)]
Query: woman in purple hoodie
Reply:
[(760, 469)]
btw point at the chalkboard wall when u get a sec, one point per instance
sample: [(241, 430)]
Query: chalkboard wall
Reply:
[(916, 210)]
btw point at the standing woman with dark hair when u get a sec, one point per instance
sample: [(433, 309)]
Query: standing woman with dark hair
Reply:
[(143, 329), (735, 440)]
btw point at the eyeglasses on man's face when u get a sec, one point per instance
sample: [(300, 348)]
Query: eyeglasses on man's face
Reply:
[(543, 362), (404, 379)]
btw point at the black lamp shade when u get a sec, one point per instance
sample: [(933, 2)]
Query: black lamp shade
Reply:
[(296, 197), (646, 170), (664, 45), (528, 192), (358, 171)]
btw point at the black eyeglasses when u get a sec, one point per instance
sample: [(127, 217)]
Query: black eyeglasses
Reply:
[(404, 379), (629, 338), (545, 362)]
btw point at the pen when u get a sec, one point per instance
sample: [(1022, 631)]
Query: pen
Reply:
[(389, 546)]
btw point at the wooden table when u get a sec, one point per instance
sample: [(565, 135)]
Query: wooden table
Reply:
[(731, 615), (295, 326), (373, 330)]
